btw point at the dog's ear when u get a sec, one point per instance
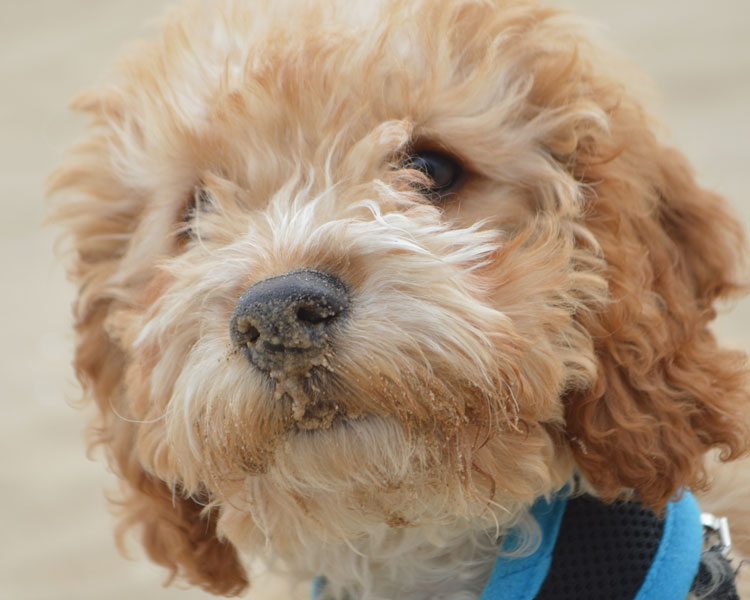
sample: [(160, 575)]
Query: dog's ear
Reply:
[(97, 222), (175, 530), (666, 392), (177, 534)]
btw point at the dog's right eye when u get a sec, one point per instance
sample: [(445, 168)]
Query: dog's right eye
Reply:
[(444, 173), (199, 201)]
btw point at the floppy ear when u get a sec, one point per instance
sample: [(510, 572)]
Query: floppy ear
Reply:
[(666, 392), (177, 534), (97, 222)]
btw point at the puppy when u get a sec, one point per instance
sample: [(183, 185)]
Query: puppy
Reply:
[(362, 285)]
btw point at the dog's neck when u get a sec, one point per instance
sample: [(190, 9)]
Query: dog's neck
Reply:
[(436, 562)]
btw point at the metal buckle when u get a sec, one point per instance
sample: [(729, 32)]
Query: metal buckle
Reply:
[(717, 527)]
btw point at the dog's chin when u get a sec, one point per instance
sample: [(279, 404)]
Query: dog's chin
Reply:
[(364, 442)]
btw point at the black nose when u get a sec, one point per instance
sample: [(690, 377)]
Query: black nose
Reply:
[(284, 324)]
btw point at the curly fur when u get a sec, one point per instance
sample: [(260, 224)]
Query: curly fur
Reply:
[(549, 321)]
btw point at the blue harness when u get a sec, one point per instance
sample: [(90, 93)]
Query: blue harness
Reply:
[(669, 576)]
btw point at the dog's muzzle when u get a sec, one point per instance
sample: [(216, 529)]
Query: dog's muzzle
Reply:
[(284, 324)]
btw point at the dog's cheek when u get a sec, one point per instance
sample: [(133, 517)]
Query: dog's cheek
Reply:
[(544, 280), (144, 412), (175, 530), (516, 467)]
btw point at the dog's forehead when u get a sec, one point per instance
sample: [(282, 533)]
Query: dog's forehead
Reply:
[(256, 90), (248, 29), (308, 60)]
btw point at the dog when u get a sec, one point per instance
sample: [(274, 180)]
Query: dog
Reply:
[(364, 284)]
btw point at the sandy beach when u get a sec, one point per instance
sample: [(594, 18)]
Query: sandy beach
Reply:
[(55, 520)]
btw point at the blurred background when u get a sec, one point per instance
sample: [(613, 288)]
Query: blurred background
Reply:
[(55, 521)]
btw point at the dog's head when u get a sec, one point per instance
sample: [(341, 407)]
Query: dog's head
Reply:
[(394, 263)]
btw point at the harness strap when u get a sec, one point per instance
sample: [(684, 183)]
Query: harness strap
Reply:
[(603, 551), (619, 552), (590, 551)]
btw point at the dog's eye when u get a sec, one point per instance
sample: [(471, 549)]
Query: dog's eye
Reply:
[(199, 201), (443, 172)]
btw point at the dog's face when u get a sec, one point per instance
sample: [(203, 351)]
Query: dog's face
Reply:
[(406, 264)]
